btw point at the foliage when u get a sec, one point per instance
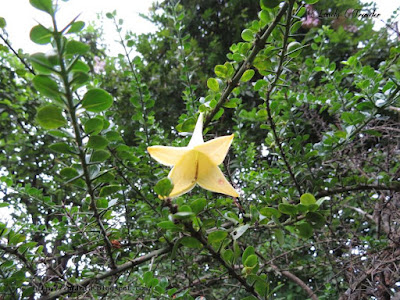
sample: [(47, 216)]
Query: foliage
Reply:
[(315, 113)]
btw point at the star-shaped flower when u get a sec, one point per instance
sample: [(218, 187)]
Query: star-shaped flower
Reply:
[(196, 163)]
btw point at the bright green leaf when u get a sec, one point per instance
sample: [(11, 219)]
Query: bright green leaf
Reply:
[(217, 236), (307, 199), (97, 100), (247, 75), (213, 84), (50, 117)]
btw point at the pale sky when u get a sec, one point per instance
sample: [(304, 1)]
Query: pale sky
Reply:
[(21, 17)]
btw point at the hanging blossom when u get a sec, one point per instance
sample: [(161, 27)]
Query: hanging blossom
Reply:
[(99, 65), (197, 163), (311, 20)]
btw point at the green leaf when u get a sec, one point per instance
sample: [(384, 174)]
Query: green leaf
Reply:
[(80, 66), (228, 256), (69, 173), (247, 35), (46, 86), (43, 5), (251, 261), (183, 215), (40, 35), (3, 22), (217, 236), (164, 187), (247, 75), (97, 142), (315, 219), (61, 148), (109, 190), (76, 27), (41, 63), (287, 209), (307, 199), (269, 212), (221, 71), (311, 1), (101, 203), (213, 84), (191, 242), (169, 225), (267, 4), (50, 117), (304, 230), (198, 205), (79, 79), (100, 156), (279, 236), (294, 49), (75, 47), (249, 251), (93, 126), (97, 100)]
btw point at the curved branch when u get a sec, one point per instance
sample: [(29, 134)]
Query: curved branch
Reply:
[(395, 188), (258, 46), (79, 287), (297, 281)]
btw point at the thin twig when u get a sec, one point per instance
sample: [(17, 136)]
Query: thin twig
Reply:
[(258, 46)]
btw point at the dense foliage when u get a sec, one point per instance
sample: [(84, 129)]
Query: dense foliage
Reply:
[(313, 102)]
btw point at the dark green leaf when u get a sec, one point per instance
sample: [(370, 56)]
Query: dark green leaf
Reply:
[(43, 5), (217, 236), (287, 209), (198, 205), (169, 225), (109, 190), (304, 230), (93, 126), (40, 35), (100, 156), (75, 47), (97, 142), (164, 187), (191, 242), (76, 27)]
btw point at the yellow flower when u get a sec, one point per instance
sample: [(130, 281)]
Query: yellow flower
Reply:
[(196, 163)]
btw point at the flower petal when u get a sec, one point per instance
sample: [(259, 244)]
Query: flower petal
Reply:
[(183, 175), (166, 155), (211, 178), (197, 137), (216, 149)]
